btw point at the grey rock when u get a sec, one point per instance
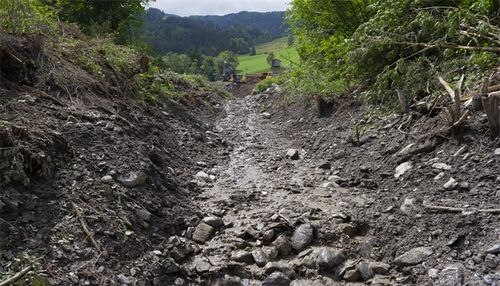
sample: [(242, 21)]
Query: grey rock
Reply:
[(365, 271), (203, 232), (408, 207), (179, 281), (352, 275), (259, 257), (283, 246), (463, 186), (302, 236), (336, 179), (132, 179), (213, 221), (402, 169), (330, 258), (204, 177), (266, 115), (497, 151), (277, 279), (169, 266), (122, 279), (107, 179), (178, 254), (441, 166), (232, 281), (495, 249), (413, 256), (143, 214), (491, 260), (268, 236), (242, 256), (293, 154), (201, 265), (451, 275), (325, 165), (253, 233), (271, 252), (492, 279), (451, 184), (439, 176), (379, 267)]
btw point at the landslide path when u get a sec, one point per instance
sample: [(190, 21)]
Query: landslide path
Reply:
[(297, 203)]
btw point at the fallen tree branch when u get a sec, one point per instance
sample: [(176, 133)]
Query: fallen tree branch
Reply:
[(19, 274), (85, 228), (50, 98), (459, 210)]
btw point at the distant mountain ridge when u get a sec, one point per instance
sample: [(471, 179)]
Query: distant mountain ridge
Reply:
[(270, 22), (211, 34)]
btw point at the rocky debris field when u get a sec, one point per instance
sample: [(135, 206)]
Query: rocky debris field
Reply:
[(254, 190)]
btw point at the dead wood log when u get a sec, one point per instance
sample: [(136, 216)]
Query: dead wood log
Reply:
[(490, 106), (471, 94), (458, 210), (403, 105), (85, 227), (18, 275), (477, 102), (455, 109)]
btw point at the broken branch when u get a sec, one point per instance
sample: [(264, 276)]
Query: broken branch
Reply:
[(85, 228)]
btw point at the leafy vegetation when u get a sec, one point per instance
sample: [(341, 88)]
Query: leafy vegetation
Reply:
[(392, 46), (26, 16)]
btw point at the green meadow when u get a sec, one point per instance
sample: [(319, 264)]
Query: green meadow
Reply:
[(258, 63)]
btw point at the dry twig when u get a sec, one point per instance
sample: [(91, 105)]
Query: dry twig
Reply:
[(85, 227)]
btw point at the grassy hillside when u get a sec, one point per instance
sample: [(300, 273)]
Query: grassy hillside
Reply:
[(255, 64)]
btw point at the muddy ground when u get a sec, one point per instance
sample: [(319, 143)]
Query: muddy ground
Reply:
[(250, 190)]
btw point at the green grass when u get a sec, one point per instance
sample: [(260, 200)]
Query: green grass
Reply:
[(258, 63)]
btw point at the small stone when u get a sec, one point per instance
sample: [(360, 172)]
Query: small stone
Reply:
[(242, 256), (463, 186), (441, 166), (402, 168), (352, 275), (203, 232), (409, 206), (122, 279), (271, 252), (495, 249), (268, 236), (336, 179), (143, 214), (451, 184), (157, 252), (201, 265), (201, 164), (302, 236), (492, 279), (107, 179), (204, 177), (460, 151), (178, 254), (266, 115), (329, 258), (413, 256), (433, 273), (292, 154), (491, 261), (348, 229), (179, 281), (365, 271), (213, 221), (73, 278), (283, 246), (380, 267), (439, 176), (325, 165), (132, 179), (259, 257), (169, 266), (277, 279), (497, 151), (451, 275)]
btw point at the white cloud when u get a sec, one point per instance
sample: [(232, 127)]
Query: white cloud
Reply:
[(217, 7)]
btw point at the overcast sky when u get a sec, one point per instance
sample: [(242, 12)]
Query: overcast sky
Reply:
[(217, 7)]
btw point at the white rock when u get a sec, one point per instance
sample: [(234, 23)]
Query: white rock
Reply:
[(451, 184), (439, 176), (203, 176), (401, 169), (497, 151), (107, 179), (441, 166), (329, 185), (408, 206), (266, 115), (336, 179)]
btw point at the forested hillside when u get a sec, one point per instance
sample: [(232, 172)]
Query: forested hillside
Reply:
[(211, 35), (268, 22)]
